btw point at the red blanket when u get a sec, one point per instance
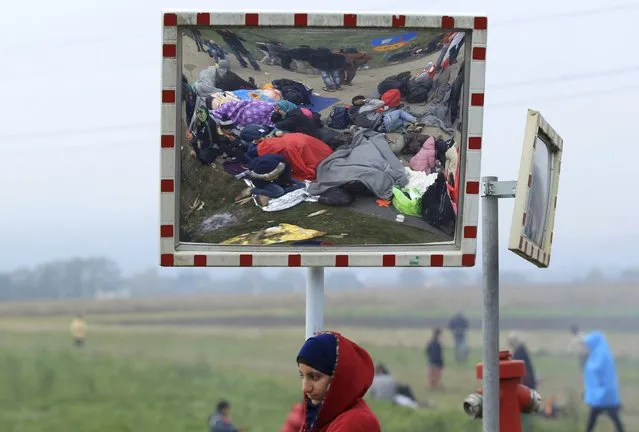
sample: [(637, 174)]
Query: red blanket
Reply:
[(302, 151)]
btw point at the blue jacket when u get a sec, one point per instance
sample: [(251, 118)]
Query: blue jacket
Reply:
[(601, 387)]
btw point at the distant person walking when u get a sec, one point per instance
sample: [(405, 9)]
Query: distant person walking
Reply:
[(238, 49), (458, 325), (78, 330), (520, 352), (601, 387), (435, 357)]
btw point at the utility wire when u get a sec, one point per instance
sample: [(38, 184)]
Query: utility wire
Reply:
[(565, 77), (561, 97), (566, 15), (142, 125)]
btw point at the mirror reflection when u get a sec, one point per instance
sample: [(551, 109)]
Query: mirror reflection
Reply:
[(320, 136)]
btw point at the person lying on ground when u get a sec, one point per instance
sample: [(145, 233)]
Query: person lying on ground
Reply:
[(386, 388), (370, 113), (336, 373), (271, 176), (289, 117), (220, 420), (244, 112)]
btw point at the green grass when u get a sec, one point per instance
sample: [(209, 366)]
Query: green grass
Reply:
[(218, 190), (136, 381)]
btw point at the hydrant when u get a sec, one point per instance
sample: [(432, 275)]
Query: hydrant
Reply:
[(514, 397)]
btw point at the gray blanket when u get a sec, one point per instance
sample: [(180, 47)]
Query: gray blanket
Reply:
[(367, 159)]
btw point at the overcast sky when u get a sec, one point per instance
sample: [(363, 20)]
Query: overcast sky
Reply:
[(80, 86)]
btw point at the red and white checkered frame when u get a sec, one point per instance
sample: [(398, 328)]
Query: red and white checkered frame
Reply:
[(518, 242), (460, 254)]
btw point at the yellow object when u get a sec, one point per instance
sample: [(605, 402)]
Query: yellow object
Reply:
[(281, 233), (391, 47), (78, 328)]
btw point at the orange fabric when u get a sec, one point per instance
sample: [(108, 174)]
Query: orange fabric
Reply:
[(302, 151), (434, 376), (383, 203), (344, 409), (295, 419)]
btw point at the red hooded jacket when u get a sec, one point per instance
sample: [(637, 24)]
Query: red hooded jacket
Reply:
[(343, 409), (295, 419)]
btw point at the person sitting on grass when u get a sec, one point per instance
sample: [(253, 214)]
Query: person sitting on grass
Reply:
[(336, 373), (386, 388), (220, 420)]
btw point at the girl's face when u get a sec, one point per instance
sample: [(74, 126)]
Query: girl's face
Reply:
[(314, 383)]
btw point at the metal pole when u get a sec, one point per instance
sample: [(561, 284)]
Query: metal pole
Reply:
[(490, 314), (314, 300)]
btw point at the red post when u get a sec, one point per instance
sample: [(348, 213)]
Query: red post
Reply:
[(514, 397)]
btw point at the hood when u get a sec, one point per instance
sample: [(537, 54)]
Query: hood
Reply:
[(601, 387), (353, 376), (599, 354)]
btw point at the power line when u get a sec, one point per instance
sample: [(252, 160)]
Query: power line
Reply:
[(561, 97), (140, 125), (25, 136), (566, 77), (507, 22), (567, 14)]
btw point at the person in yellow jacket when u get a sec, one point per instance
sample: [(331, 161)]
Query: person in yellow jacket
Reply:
[(78, 330)]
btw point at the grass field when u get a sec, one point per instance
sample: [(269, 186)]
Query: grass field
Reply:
[(168, 377)]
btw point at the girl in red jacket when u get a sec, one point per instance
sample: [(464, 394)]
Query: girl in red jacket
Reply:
[(336, 373)]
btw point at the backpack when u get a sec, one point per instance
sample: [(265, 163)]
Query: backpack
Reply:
[(437, 207), (338, 118), (293, 91), (417, 92), (392, 98), (399, 82)]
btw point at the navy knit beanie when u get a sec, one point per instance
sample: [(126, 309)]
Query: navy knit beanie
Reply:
[(320, 353)]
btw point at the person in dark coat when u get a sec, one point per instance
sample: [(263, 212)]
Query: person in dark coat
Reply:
[(330, 66), (288, 117), (228, 80), (207, 141), (458, 325), (220, 420), (237, 47), (271, 176), (520, 352), (435, 357)]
